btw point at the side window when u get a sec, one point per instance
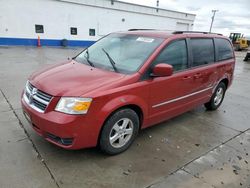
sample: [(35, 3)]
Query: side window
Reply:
[(224, 49), (174, 54), (203, 51)]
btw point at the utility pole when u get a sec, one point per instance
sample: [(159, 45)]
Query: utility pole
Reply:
[(213, 11), (157, 5)]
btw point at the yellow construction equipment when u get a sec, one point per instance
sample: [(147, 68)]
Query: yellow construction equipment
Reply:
[(239, 41)]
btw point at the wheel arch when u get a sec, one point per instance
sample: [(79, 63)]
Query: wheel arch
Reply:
[(135, 107), (225, 81)]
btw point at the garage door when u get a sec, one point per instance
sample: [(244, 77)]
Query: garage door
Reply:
[(182, 26)]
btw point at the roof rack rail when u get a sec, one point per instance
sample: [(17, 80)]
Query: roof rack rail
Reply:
[(182, 32), (140, 29)]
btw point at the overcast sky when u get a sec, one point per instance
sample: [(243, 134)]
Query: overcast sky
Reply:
[(233, 15)]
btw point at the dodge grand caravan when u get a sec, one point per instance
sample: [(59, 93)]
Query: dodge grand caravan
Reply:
[(125, 82)]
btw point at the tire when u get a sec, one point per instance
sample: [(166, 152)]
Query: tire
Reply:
[(119, 131), (217, 97), (247, 56)]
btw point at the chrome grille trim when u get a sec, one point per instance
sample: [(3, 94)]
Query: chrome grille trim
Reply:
[(35, 98), (40, 100)]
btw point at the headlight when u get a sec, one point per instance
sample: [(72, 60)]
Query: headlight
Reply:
[(73, 105)]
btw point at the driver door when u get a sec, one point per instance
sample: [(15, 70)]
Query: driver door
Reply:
[(169, 95)]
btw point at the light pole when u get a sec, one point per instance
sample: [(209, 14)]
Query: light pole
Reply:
[(213, 11), (157, 5)]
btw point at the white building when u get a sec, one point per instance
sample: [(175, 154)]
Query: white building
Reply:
[(81, 22)]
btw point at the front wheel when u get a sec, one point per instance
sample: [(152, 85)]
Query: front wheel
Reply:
[(119, 131), (217, 97)]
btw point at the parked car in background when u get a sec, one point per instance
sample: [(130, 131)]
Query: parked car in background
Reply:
[(125, 82)]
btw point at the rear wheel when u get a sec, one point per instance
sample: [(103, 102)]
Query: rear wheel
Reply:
[(119, 131), (217, 97)]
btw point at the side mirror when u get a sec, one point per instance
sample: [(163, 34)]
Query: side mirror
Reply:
[(161, 70)]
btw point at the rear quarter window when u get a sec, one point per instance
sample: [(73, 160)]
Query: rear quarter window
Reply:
[(224, 49), (202, 51)]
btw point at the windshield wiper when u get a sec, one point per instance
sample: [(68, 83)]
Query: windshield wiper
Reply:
[(112, 62), (87, 58)]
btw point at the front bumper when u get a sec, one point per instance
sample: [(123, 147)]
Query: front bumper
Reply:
[(64, 130)]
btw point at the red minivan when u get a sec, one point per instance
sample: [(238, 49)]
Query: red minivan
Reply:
[(125, 82)]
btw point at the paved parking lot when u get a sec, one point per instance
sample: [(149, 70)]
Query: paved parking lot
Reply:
[(196, 149)]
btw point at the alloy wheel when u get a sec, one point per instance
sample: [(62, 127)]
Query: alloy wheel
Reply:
[(121, 133)]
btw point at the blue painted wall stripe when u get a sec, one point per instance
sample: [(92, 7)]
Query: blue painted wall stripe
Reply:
[(44, 42)]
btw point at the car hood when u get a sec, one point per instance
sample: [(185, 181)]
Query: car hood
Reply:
[(72, 79)]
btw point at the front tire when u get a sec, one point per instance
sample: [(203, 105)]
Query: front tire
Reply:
[(217, 97), (119, 131)]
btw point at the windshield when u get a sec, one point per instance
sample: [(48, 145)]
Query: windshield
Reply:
[(119, 52)]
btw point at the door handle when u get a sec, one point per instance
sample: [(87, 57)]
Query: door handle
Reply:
[(197, 75), (186, 77)]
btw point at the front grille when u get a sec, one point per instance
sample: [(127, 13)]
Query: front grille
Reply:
[(36, 98)]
